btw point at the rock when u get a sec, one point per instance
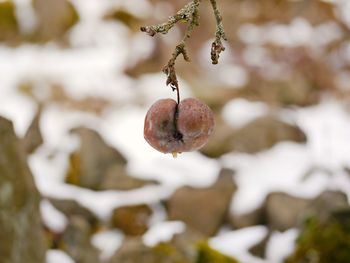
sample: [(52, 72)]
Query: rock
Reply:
[(90, 163), (295, 91), (33, 138), (187, 247), (255, 217), (327, 203), (259, 249), (203, 209), (117, 178), (71, 208), (324, 240), (9, 30), (76, 241), (20, 221), (133, 250), (55, 18), (258, 135), (283, 211), (132, 220)]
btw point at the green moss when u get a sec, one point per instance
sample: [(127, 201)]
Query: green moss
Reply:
[(323, 242), (198, 253), (166, 252), (206, 254)]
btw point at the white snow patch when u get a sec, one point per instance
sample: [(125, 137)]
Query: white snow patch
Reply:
[(163, 232), (53, 218), (327, 127), (239, 112), (107, 242), (232, 75), (280, 168), (236, 243), (58, 256), (299, 32), (280, 245), (17, 108)]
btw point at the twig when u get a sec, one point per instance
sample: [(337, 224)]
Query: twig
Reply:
[(190, 15), (185, 14), (217, 47)]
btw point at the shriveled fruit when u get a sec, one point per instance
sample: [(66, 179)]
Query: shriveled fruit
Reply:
[(172, 128)]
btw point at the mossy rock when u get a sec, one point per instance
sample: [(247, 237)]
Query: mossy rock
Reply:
[(175, 251), (324, 241), (206, 254), (9, 31)]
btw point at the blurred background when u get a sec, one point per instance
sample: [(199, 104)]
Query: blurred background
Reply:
[(78, 183)]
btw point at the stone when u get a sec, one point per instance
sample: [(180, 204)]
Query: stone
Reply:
[(117, 178), (9, 30), (55, 18), (252, 218), (327, 203), (259, 249), (258, 135), (132, 220), (203, 209), (283, 211), (90, 163), (76, 242), (33, 137), (71, 208), (20, 220), (187, 247)]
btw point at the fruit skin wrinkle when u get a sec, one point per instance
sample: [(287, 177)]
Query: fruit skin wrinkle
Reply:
[(175, 128)]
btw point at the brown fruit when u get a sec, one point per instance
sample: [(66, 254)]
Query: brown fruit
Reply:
[(172, 128)]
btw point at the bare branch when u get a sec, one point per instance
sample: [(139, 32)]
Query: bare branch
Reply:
[(217, 47), (190, 15), (185, 14)]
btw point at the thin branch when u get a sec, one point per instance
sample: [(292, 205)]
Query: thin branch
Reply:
[(189, 14), (185, 14), (217, 47)]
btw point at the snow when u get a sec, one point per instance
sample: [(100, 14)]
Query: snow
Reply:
[(280, 245), (236, 243), (239, 112), (299, 32), (163, 232), (52, 218), (107, 242), (282, 168), (58, 256)]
